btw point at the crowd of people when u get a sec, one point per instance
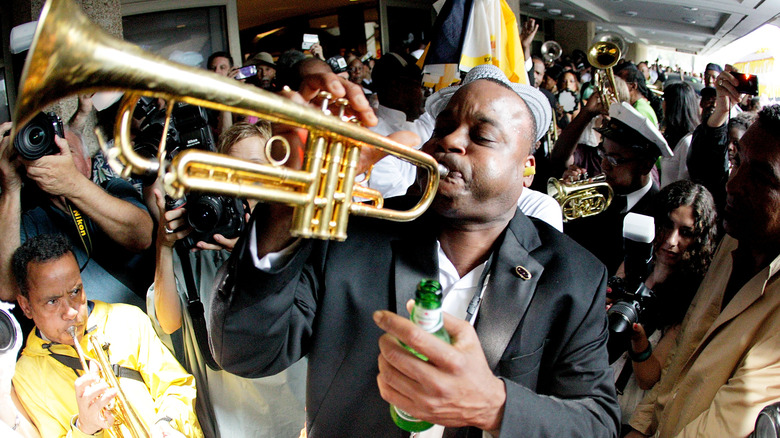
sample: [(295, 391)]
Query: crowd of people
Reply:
[(240, 329)]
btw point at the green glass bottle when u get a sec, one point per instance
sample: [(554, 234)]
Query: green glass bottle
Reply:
[(427, 314)]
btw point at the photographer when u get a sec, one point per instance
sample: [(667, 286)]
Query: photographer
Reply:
[(227, 405), (14, 421), (106, 224), (683, 247)]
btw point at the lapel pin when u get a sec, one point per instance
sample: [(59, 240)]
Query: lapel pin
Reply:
[(522, 272)]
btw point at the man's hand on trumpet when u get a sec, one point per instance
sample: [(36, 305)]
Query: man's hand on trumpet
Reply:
[(93, 397)]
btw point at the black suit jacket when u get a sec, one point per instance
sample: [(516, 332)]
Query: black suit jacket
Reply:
[(544, 336), (602, 234)]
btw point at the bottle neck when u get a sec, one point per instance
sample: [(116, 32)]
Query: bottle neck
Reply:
[(430, 320)]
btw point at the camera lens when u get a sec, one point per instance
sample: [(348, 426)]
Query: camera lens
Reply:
[(36, 136), (36, 139), (7, 332), (622, 316), (204, 213)]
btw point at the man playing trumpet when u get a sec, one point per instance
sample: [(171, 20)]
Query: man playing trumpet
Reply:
[(61, 398)]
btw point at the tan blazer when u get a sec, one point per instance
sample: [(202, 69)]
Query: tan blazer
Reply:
[(726, 365)]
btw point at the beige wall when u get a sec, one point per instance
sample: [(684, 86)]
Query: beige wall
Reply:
[(573, 35), (105, 13)]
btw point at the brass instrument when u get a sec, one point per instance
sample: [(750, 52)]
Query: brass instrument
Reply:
[(604, 55), (612, 37), (581, 198), (70, 55), (552, 133), (120, 408), (551, 51)]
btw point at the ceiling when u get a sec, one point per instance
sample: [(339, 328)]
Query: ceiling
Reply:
[(695, 26), (252, 13)]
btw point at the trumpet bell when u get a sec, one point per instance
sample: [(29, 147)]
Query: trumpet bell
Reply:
[(604, 54), (551, 51), (70, 55), (614, 38)]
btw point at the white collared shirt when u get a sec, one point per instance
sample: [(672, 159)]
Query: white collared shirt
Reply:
[(458, 292), (633, 198)]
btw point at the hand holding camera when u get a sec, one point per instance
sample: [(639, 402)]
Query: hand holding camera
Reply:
[(173, 225), (200, 221), (10, 180), (57, 174)]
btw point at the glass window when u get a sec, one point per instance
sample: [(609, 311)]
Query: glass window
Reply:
[(186, 35), (5, 114)]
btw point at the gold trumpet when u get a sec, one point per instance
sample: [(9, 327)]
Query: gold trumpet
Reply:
[(604, 55), (70, 55), (120, 408), (581, 198)]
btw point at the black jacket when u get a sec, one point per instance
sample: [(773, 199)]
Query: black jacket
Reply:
[(544, 336)]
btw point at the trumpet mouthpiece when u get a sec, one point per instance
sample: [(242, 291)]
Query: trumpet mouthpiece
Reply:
[(443, 171), (72, 330)]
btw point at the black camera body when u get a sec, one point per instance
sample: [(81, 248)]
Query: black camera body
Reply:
[(213, 214), (748, 84), (36, 138), (188, 128), (10, 331), (633, 302)]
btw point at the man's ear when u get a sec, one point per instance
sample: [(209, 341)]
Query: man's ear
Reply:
[(24, 303), (529, 170)]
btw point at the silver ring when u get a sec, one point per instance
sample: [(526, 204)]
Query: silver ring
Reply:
[(720, 82), (168, 230)]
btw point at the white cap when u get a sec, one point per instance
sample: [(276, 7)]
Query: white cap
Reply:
[(536, 101), (627, 127)]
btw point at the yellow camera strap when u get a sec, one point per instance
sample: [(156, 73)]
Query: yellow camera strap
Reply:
[(80, 222)]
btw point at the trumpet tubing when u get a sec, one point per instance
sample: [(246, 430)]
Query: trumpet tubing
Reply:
[(121, 409), (69, 55), (581, 198)]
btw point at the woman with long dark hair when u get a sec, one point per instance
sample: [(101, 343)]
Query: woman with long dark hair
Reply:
[(681, 117), (685, 241)]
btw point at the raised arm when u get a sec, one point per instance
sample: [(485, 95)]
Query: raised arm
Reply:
[(10, 211), (125, 223), (564, 148)]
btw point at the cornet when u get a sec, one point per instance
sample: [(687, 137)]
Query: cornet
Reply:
[(580, 199), (70, 55), (121, 409)]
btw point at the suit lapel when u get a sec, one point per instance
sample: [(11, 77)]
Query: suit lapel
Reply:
[(508, 295), (413, 260)]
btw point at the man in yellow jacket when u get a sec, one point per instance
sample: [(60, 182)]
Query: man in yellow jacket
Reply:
[(60, 397)]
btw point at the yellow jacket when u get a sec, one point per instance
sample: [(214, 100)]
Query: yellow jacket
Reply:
[(726, 365), (46, 387)]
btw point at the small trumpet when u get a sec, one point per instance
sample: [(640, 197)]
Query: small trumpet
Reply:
[(581, 198), (70, 55), (120, 408)]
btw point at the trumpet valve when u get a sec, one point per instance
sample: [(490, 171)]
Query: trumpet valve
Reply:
[(326, 98)]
